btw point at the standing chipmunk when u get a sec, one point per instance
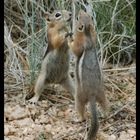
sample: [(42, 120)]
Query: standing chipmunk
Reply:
[(55, 65), (89, 84)]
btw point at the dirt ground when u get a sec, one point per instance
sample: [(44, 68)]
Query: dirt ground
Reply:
[(55, 118)]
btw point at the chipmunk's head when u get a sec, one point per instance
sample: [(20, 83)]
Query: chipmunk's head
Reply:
[(84, 22), (58, 18)]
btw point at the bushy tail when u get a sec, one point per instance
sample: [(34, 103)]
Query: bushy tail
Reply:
[(94, 121)]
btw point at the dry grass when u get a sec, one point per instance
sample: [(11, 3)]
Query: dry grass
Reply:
[(55, 118), (24, 32)]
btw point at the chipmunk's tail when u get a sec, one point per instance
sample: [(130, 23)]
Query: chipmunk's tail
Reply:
[(94, 121)]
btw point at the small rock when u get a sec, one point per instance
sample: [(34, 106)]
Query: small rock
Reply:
[(112, 137), (42, 119), (27, 131), (30, 137), (132, 133), (12, 138), (67, 112), (48, 128), (23, 122), (124, 136), (9, 130), (6, 131), (103, 136), (60, 114), (15, 112)]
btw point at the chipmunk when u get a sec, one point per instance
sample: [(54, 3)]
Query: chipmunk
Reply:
[(88, 77), (55, 65)]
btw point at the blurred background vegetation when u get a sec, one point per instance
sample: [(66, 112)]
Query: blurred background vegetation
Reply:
[(24, 34)]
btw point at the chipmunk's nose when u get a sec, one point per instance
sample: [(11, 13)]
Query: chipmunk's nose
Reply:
[(70, 14)]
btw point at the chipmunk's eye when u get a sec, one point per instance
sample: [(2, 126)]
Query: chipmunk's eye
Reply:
[(57, 15), (77, 18)]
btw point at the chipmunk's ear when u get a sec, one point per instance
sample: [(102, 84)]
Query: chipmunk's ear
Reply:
[(81, 28), (51, 10), (47, 16), (91, 27)]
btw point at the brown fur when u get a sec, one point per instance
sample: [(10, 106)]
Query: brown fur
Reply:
[(89, 84), (55, 66)]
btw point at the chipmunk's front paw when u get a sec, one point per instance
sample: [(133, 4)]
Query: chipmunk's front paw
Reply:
[(33, 100), (68, 35)]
